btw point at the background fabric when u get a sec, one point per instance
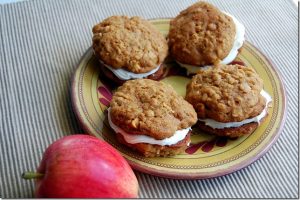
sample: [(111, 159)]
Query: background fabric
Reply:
[(41, 43)]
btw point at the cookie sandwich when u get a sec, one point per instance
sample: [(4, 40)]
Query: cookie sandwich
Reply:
[(129, 48), (202, 35), (229, 100), (150, 117)]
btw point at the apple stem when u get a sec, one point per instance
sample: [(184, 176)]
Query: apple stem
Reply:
[(32, 175)]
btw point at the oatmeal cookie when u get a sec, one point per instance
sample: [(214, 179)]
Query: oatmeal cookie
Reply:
[(226, 93), (147, 107), (201, 35), (132, 44)]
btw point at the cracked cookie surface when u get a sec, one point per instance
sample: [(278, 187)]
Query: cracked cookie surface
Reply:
[(133, 44), (201, 35), (147, 107)]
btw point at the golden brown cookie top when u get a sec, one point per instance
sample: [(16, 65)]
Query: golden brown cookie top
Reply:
[(133, 44), (226, 93), (152, 108), (201, 35)]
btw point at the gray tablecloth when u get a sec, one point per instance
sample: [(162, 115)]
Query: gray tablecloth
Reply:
[(41, 43)]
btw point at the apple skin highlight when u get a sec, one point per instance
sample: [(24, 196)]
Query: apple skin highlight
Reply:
[(82, 166)]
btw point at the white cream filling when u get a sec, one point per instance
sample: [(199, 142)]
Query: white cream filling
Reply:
[(123, 74), (219, 125), (238, 43), (133, 139), (238, 40)]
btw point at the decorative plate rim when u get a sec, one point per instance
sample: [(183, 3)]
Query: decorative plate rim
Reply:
[(190, 175)]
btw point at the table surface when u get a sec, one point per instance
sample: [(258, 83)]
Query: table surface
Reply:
[(41, 43)]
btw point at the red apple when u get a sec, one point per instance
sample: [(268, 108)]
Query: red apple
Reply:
[(82, 166)]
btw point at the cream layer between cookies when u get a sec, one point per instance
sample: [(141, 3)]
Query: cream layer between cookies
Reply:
[(133, 139), (125, 75), (238, 43), (219, 125)]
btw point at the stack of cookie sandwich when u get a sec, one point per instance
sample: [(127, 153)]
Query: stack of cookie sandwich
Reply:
[(229, 99), (129, 48), (202, 35), (151, 117)]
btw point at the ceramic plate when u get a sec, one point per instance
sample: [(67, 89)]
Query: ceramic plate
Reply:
[(207, 156)]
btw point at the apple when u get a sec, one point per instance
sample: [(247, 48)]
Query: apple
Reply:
[(83, 166)]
